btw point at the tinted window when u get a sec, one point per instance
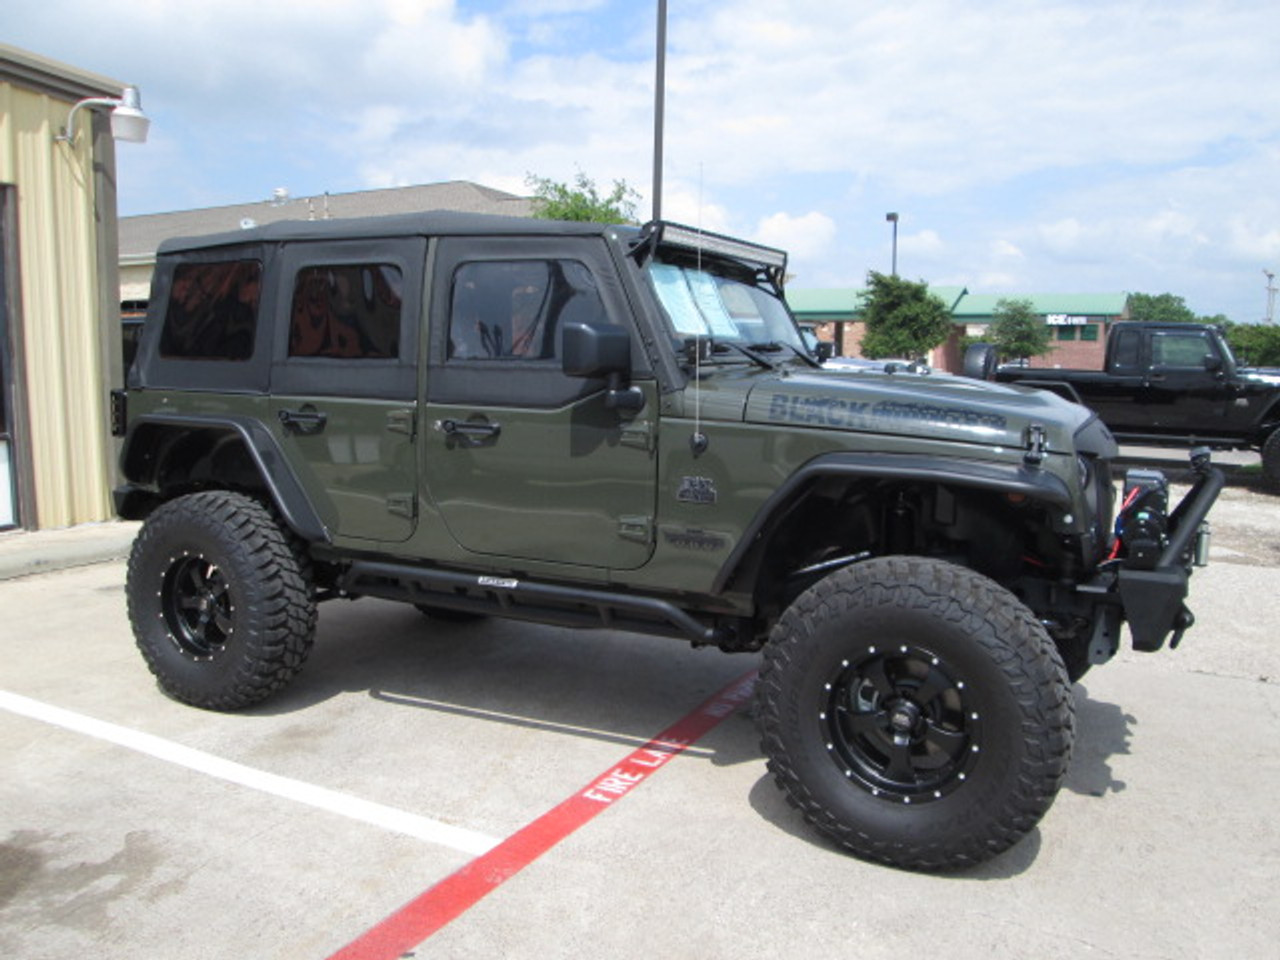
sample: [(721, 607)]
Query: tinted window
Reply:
[(348, 310), (1178, 350), (513, 309), (212, 311), (1127, 342)]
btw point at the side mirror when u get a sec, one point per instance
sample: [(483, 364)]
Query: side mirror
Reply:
[(591, 351), (1212, 362), (824, 350)]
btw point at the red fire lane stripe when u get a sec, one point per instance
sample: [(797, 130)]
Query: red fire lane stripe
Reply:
[(457, 893)]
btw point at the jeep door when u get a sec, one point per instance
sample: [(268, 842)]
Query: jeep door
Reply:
[(1184, 395), (521, 460), (343, 382)]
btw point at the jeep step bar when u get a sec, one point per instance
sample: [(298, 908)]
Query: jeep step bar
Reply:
[(524, 600)]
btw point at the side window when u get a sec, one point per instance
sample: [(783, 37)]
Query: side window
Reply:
[(1179, 350), (1126, 355), (347, 310), (212, 312), (514, 309)]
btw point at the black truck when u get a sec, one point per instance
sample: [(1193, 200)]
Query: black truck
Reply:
[(1166, 384)]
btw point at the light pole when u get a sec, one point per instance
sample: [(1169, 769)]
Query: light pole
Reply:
[(1271, 296), (659, 99), (893, 218)]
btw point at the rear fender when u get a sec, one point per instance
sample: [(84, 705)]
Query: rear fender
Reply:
[(156, 442)]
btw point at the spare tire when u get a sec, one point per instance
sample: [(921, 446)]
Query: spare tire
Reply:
[(980, 361)]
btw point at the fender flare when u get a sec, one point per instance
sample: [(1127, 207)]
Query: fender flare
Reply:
[(288, 495), (1032, 483)]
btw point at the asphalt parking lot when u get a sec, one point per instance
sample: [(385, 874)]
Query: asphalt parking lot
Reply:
[(134, 827)]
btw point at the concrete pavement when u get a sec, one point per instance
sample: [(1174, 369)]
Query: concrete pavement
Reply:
[(124, 835)]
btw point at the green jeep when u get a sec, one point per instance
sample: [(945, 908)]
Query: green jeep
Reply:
[(602, 426)]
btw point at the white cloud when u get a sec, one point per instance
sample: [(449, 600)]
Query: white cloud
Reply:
[(1064, 144), (807, 236), (922, 243), (1004, 250)]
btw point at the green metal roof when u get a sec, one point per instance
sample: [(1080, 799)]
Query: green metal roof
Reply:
[(825, 304), (977, 306), (841, 303), (828, 302)]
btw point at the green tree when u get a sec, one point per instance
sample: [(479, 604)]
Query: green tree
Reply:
[(582, 201), (903, 318), (1255, 344), (1161, 308), (1017, 331)]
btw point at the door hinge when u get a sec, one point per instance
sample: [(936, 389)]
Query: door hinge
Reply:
[(638, 529), (402, 505), (637, 434), (402, 421)]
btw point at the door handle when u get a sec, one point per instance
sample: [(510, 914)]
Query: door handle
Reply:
[(468, 429), (306, 422)]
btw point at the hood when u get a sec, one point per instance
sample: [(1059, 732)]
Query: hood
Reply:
[(1268, 375), (938, 406)]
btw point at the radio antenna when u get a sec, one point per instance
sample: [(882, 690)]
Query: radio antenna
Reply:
[(698, 442)]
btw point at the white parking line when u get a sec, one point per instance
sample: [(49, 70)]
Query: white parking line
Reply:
[(365, 811)]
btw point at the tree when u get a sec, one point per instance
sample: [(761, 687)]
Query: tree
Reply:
[(1168, 308), (1255, 344), (1160, 308), (1017, 331), (903, 318), (582, 201)]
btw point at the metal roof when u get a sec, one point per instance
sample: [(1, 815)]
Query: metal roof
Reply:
[(977, 306), (53, 77), (836, 303)]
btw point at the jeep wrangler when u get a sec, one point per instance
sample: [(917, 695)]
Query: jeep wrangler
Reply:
[(622, 427)]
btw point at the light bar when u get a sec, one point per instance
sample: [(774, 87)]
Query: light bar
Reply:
[(691, 238)]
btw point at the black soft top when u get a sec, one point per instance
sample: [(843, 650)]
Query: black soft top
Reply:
[(430, 223)]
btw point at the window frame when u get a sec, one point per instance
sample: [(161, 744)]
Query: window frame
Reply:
[(517, 381), (378, 378), (250, 376)]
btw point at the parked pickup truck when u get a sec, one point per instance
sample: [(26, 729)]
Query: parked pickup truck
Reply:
[(1167, 384)]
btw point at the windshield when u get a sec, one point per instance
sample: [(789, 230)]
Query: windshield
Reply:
[(704, 301)]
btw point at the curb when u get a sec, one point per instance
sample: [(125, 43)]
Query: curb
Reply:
[(30, 553)]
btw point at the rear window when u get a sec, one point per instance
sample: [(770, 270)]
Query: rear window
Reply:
[(213, 311)]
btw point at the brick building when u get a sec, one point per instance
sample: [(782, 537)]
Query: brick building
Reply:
[(1079, 322)]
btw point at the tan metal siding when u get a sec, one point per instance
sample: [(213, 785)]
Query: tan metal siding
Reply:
[(63, 362)]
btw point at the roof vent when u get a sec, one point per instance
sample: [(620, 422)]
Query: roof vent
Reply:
[(248, 223), (279, 196)]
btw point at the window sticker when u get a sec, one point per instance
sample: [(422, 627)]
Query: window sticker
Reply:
[(707, 297), (676, 297)]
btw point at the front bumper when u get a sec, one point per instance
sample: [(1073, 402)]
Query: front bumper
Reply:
[(1152, 594)]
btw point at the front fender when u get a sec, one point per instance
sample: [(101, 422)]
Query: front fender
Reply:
[(1033, 483)]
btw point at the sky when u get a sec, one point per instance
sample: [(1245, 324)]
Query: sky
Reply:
[(1028, 146)]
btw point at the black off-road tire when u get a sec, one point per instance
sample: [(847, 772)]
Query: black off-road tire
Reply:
[(915, 712), (1271, 462), (220, 600)]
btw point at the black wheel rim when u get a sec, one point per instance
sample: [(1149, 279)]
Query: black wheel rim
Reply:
[(196, 606), (899, 722)]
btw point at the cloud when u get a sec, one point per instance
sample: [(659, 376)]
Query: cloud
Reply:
[(1061, 145), (805, 237)]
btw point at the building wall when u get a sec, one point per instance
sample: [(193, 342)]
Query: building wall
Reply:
[(1079, 353), (64, 224)]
